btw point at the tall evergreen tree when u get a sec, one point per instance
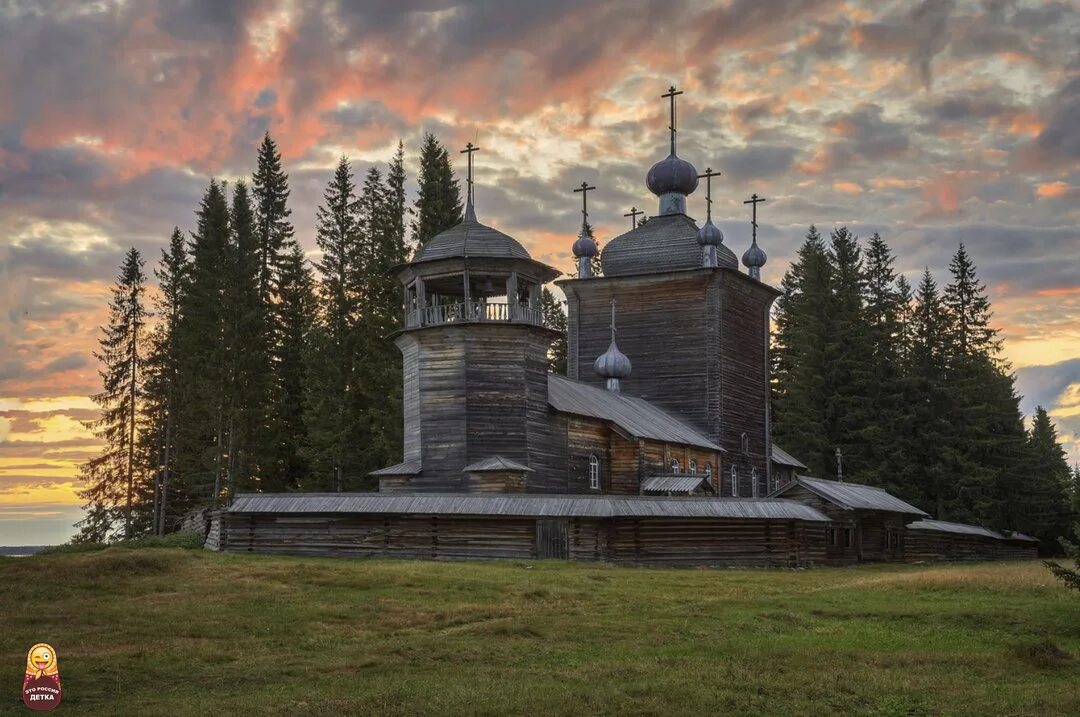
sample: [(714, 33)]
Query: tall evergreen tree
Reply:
[(273, 227), (111, 492), (295, 312), (337, 430), (849, 409), (930, 438), (1044, 511), (396, 209), (799, 356), (203, 357), (554, 315), (161, 372), (885, 307), (438, 202), (245, 334)]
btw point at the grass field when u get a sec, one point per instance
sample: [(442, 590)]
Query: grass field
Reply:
[(186, 632)]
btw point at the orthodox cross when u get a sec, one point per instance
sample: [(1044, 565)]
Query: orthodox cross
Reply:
[(671, 94), (613, 321), (754, 199), (584, 189), (634, 212), (709, 174), (469, 149), (839, 465)]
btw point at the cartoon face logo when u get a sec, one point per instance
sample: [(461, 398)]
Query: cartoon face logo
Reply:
[(41, 660), (41, 686)]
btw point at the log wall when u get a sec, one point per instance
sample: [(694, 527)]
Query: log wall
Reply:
[(934, 546), (647, 541)]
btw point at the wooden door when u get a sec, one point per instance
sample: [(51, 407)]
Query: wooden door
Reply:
[(552, 539)]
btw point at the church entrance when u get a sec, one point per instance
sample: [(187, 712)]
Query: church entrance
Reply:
[(552, 539)]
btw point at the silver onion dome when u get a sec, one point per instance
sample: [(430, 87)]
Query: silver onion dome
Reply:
[(710, 234), (585, 246), (613, 363), (672, 175), (755, 258)]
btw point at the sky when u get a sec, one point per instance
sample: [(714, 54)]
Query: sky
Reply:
[(930, 122)]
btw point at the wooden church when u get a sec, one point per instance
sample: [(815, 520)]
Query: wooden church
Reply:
[(655, 448)]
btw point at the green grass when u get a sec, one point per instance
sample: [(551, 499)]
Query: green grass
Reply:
[(177, 632)]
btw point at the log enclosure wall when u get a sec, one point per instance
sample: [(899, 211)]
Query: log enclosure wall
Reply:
[(646, 541)]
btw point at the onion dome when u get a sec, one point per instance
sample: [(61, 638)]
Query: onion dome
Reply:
[(585, 246), (710, 234), (613, 363), (672, 176), (754, 259)]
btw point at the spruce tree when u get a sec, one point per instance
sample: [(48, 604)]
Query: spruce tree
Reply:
[(554, 316), (799, 356), (112, 492), (987, 426), (273, 228), (245, 335), (849, 407), (295, 312), (438, 202), (335, 348), (930, 440), (382, 316), (886, 298), (161, 372), (202, 357), (1043, 497)]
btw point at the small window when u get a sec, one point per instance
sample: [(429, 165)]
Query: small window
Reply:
[(734, 481), (849, 537), (753, 481), (708, 472), (693, 467), (594, 472), (744, 442), (674, 465)]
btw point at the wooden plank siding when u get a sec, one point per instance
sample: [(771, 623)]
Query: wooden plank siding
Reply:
[(692, 542), (933, 546), (698, 341)]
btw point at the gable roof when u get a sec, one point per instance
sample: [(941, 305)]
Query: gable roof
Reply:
[(636, 416), (782, 457), (495, 463), (852, 496), (525, 505)]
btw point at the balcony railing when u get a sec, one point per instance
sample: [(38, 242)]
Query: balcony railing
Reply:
[(473, 312)]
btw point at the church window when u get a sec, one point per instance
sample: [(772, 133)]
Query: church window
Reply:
[(708, 473), (693, 467), (674, 465), (734, 481), (753, 481), (594, 472), (744, 442)]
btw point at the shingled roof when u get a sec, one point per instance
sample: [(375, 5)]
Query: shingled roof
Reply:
[(495, 464), (851, 496), (636, 416), (470, 238), (668, 242)]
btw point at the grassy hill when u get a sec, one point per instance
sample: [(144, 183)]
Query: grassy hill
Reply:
[(176, 632)]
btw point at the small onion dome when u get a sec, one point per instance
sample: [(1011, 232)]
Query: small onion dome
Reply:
[(672, 175), (613, 363), (710, 234), (755, 257), (584, 246)]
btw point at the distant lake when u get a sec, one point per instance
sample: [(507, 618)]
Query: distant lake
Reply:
[(19, 551)]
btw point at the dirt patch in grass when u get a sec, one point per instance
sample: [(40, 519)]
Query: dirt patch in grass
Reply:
[(1044, 654)]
